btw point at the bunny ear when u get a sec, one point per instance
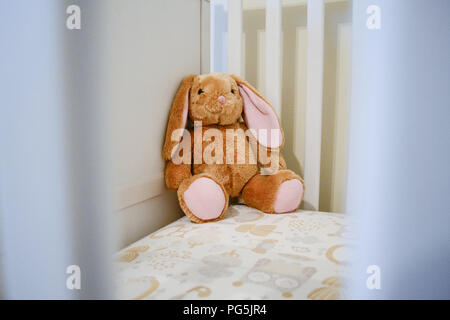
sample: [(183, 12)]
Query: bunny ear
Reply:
[(178, 117), (259, 116)]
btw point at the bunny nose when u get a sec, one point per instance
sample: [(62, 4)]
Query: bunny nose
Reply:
[(222, 99)]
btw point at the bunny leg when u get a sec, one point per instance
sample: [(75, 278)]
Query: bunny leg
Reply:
[(277, 193), (175, 174), (202, 198)]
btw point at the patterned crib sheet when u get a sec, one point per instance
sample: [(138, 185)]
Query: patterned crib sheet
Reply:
[(247, 255)]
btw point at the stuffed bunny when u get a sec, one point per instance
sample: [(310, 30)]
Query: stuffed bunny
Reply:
[(217, 168)]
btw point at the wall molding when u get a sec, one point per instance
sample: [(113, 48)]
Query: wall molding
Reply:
[(136, 193)]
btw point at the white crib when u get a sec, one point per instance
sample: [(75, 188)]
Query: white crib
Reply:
[(88, 101), (83, 140), (249, 254)]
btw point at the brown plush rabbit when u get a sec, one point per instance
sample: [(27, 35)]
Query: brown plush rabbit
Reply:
[(214, 166)]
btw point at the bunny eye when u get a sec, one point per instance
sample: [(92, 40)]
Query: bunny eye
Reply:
[(232, 91), (200, 91)]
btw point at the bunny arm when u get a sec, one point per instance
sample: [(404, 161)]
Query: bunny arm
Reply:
[(175, 174), (268, 166), (258, 149), (282, 163)]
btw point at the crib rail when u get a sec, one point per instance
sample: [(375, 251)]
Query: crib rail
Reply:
[(273, 65)]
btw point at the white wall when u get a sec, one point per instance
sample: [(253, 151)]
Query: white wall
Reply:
[(149, 47)]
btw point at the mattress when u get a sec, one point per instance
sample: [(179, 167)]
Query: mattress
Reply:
[(247, 255)]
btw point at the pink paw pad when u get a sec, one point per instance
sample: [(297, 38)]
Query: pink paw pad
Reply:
[(205, 198), (289, 196)]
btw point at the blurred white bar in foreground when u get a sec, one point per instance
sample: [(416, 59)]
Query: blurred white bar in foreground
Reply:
[(53, 195), (399, 150)]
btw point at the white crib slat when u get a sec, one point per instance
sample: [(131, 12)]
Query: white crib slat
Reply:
[(205, 34), (235, 37), (273, 54), (313, 117)]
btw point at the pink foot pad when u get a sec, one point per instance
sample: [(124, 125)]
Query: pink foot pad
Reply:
[(289, 196), (205, 199)]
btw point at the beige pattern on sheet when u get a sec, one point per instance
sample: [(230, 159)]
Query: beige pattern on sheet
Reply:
[(247, 255)]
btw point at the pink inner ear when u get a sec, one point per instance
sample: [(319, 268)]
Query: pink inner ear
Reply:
[(260, 116), (185, 111)]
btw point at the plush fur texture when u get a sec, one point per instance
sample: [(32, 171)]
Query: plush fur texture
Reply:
[(215, 100), (262, 190)]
